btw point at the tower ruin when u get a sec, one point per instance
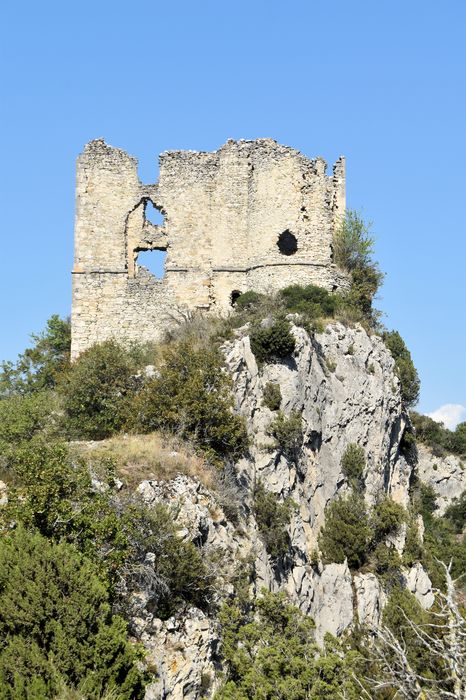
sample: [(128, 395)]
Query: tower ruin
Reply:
[(253, 215)]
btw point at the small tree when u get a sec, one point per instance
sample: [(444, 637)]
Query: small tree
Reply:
[(387, 518), (353, 247), (191, 395), (56, 624), (39, 366), (405, 369), (272, 343), (272, 396), (96, 391), (272, 519), (353, 464), (288, 433), (346, 533)]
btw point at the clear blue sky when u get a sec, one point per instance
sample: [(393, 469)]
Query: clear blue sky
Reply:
[(380, 82)]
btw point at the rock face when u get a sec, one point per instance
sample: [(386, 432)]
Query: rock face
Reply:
[(446, 475), (342, 384)]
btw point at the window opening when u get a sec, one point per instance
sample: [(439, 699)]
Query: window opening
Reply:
[(234, 296), (287, 243), (152, 214), (154, 261)]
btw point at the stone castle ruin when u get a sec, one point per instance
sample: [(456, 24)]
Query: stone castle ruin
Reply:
[(253, 215)]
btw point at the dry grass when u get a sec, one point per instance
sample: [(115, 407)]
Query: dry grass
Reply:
[(155, 456)]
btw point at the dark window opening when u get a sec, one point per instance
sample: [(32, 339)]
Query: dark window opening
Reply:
[(153, 214), (287, 243), (234, 296), (154, 261)]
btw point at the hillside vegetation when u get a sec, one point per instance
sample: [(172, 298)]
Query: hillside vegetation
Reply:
[(78, 543)]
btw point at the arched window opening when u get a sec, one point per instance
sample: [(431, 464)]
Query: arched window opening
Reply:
[(287, 243), (153, 261), (152, 214), (234, 296)]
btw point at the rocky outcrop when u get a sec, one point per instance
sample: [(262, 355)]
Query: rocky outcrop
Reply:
[(342, 384), (419, 583), (370, 599), (446, 475)]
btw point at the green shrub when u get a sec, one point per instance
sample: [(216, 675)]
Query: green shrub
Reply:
[(425, 500), (312, 301), (437, 437), (353, 247), (272, 519), (346, 533), (387, 564), (23, 417), (288, 433), (96, 391), (405, 369), (353, 464), (270, 654), (249, 301), (39, 367), (176, 573), (191, 396), (272, 343), (56, 624), (387, 518), (456, 513), (401, 607), (413, 549), (272, 396), (56, 496)]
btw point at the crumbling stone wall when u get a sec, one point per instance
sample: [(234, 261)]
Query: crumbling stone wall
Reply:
[(252, 215)]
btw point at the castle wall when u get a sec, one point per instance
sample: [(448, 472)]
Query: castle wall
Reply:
[(223, 215)]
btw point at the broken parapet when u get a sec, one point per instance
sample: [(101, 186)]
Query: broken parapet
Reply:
[(253, 215)]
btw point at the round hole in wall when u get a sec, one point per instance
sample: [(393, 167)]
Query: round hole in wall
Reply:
[(287, 243), (234, 296)]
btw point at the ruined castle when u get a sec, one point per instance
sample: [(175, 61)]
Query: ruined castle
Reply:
[(253, 215)]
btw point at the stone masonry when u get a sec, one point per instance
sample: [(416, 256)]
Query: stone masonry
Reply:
[(253, 215)]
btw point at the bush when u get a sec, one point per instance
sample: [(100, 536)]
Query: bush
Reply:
[(272, 396), (387, 518), (40, 366), (346, 533), (272, 519), (56, 496), (353, 247), (23, 417), (269, 653), (404, 366), (456, 513), (171, 570), (437, 437), (353, 464), (387, 564), (401, 607), (191, 396), (96, 391), (56, 624), (288, 433), (311, 300), (249, 301), (272, 343)]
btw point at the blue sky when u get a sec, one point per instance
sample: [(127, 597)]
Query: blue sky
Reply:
[(380, 82)]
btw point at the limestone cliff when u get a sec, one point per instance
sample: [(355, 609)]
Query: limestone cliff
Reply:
[(342, 383)]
